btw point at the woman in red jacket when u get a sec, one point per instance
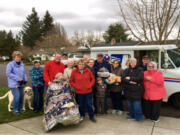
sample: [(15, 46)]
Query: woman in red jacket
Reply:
[(82, 80), (154, 92)]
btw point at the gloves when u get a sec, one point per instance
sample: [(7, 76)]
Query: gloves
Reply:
[(24, 82), (20, 83)]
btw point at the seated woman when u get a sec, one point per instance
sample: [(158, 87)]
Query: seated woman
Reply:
[(154, 92), (59, 104)]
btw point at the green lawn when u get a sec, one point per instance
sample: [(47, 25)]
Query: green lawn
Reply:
[(6, 116)]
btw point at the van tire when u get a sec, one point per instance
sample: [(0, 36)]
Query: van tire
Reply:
[(175, 100)]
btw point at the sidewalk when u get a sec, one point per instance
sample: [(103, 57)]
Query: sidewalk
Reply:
[(107, 124)]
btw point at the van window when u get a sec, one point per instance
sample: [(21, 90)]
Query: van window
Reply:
[(170, 65), (153, 55), (175, 56)]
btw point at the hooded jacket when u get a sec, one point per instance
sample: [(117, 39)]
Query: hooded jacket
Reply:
[(82, 82), (133, 91), (154, 89), (51, 69), (14, 73)]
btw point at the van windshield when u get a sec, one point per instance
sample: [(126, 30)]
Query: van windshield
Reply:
[(175, 56)]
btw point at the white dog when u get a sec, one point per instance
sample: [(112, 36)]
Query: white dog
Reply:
[(28, 94)]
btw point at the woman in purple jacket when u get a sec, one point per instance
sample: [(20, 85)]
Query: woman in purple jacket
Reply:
[(17, 78)]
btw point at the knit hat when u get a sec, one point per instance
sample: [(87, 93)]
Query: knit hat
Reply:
[(106, 57), (36, 61)]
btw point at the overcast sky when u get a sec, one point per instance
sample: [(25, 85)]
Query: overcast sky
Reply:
[(72, 14)]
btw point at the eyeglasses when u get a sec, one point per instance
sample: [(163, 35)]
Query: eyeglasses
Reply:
[(150, 66)]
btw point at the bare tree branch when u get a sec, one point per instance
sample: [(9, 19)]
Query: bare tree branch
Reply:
[(151, 20)]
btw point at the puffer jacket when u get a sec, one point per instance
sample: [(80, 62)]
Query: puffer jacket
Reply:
[(154, 89), (133, 91), (116, 87), (101, 90)]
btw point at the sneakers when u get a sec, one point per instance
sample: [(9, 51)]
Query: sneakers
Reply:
[(130, 118), (119, 112), (113, 111), (81, 119), (22, 111), (16, 113), (155, 121), (93, 120)]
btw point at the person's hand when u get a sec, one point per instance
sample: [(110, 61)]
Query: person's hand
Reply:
[(148, 78), (131, 82), (127, 78)]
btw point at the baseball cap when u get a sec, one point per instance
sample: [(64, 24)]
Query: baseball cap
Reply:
[(100, 54), (145, 56)]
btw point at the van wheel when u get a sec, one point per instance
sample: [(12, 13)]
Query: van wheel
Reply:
[(175, 100)]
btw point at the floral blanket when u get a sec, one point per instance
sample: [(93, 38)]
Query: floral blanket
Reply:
[(59, 106)]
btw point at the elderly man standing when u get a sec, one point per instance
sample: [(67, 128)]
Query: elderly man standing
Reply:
[(133, 90), (52, 68)]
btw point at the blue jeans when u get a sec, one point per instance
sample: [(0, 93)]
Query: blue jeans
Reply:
[(135, 109), (18, 98), (116, 99), (85, 104), (38, 98)]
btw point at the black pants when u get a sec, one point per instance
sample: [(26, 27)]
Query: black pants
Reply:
[(152, 109), (38, 100), (116, 99), (100, 102)]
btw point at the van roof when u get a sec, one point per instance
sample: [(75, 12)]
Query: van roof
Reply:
[(134, 47)]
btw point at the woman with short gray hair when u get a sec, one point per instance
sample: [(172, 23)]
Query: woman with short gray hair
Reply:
[(133, 90), (68, 70), (154, 92)]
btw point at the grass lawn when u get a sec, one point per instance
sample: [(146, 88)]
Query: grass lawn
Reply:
[(6, 116)]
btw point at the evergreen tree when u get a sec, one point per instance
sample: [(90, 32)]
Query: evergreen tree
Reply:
[(31, 29), (8, 43), (117, 32), (47, 23)]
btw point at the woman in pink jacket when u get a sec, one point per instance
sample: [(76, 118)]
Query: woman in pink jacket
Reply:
[(154, 92)]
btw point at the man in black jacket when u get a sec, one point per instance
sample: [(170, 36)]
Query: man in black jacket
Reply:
[(133, 90), (145, 61)]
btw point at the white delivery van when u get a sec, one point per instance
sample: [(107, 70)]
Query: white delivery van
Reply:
[(167, 57)]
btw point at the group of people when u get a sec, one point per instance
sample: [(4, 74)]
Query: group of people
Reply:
[(142, 85)]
